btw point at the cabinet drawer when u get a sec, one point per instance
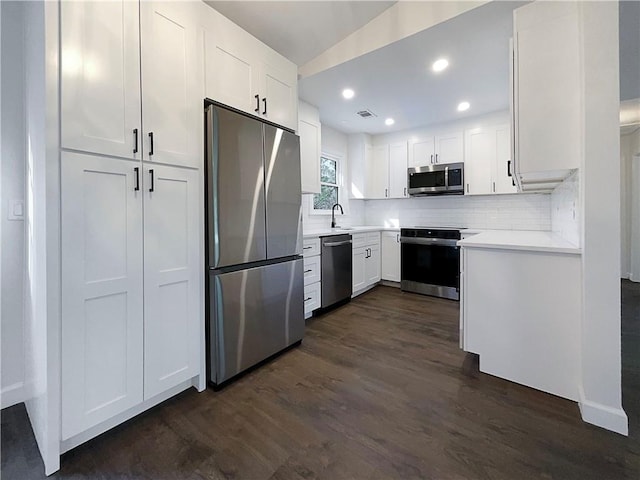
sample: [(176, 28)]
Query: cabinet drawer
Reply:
[(359, 239), (311, 297), (311, 270), (311, 247), (373, 238)]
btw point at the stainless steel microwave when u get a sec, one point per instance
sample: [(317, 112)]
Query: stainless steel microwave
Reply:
[(436, 179)]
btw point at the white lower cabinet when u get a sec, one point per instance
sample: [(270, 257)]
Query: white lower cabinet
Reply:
[(171, 278), (365, 261), (312, 275), (102, 290), (114, 356), (390, 256)]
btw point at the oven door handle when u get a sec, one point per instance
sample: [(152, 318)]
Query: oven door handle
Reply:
[(445, 242)]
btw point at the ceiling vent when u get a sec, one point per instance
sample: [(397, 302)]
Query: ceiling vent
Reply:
[(366, 113)]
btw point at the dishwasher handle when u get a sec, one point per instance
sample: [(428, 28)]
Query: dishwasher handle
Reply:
[(336, 244)]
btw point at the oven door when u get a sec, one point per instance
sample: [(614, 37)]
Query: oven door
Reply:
[(431, 267)]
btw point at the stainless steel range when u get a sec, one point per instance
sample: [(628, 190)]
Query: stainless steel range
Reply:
[(430, 261)]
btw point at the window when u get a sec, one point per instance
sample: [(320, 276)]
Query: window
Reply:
[(329, 175)]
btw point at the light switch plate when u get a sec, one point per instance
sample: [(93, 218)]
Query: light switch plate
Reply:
[(16, 210)]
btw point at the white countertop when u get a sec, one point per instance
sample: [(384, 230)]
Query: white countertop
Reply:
[(337, 231), (529, 240)]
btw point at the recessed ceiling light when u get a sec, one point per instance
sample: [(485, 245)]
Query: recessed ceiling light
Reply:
[(389, 121), (439, 65), (462, 106), (348, 93)]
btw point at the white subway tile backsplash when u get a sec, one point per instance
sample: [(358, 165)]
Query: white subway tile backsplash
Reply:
[(565, 220), (515, 212)]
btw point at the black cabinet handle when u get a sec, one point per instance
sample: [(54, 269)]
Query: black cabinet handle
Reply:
[(151, 144), (257, 97), (151, 176), (436, 158), (135, 140), (405, 191), (307, 271), (307, 248), (137, 172), (385, 193), (397, 238), (307, 299), (264, 101), (431, 158), (508, 168)]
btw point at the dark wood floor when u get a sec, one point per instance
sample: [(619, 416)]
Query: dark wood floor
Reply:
[(375, 391)]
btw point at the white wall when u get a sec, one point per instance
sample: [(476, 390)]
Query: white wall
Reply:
[(335, 143), (13, 181), (601, 393), (629, 146)]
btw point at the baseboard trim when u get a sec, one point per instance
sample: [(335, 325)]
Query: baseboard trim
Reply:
[(12, 395), (79, 439), (613, 419)]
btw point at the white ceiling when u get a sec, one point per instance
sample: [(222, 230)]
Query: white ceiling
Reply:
[(300, 30), (396, 81)]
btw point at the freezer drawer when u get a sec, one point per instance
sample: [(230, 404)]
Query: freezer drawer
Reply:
[(255, 313)]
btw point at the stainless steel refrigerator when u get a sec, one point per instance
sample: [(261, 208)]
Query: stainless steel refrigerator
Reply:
[(254, 242)]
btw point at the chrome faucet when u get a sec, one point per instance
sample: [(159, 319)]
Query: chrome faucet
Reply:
[(333, 214)]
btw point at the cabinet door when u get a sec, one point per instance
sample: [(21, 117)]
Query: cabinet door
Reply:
[(379, 177), (102, 343), (503, 167), (231, 70), (548, 88), (421, 152), (390, 256), (449, 148), (172, 112), (100, 77), (358, 272), (479, 160), (398, 170), (372, 265), (172, 269), (279, 101), (309, 129)]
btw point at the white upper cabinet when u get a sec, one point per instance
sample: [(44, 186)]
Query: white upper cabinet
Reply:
[(433, 149), (100, 78), (102, 267), (378, 174), (310, 130), (121, 58), (359, 153), (171, 98), (421, 151), (171, 277), (449, 147), (279, 91), (547, 92), (244, 73), (398, 170), (230, 63), (487, 161), (503, 167)]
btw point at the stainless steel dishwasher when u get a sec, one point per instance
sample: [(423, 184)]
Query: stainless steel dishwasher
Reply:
[(337, 265)]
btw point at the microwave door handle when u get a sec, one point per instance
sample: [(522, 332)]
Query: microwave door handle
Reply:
[(446, 178)]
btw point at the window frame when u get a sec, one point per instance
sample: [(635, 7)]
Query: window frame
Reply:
[(339, 159)]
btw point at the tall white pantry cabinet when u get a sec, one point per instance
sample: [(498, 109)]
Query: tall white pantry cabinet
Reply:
[(131, 207)]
